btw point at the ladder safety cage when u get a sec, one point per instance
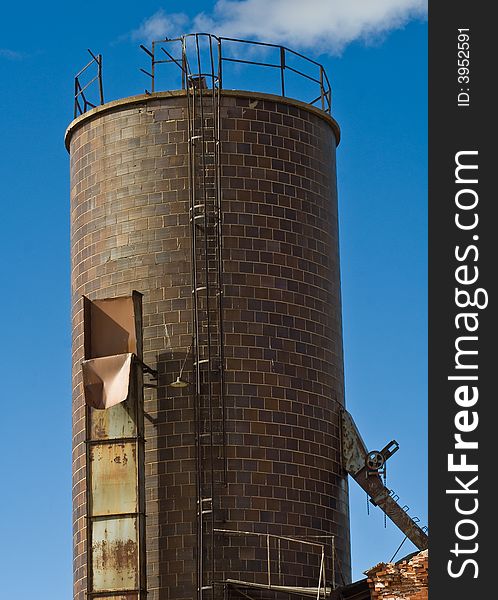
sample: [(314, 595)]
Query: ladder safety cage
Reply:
[(200, 60)]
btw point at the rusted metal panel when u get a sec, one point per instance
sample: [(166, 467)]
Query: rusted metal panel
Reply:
[(106, 380), (115, 556), (113, 479), (354, 450), (116, 422), (113, 326)]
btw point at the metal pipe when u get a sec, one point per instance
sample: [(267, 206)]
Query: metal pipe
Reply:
[(279, 561), (321, 88), (268, 45), (282, 537), (101, 84), (145, 49), (268, 559), (84, 68), (324, 571), (172, 58), (282, 70), (303, 74), (251, 62), (220, 59), (76, 104), (319, 578), (333, 563), (82, 89)]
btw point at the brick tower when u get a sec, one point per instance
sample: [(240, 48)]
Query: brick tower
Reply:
[(220, 207)]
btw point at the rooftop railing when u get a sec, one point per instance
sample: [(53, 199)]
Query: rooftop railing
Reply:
[(224, 63)]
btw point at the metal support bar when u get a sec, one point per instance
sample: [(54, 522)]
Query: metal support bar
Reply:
[(268, 562), (356, 462), (282, 69)]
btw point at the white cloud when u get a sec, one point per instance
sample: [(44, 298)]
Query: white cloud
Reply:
[(161, 25), (323, 25), (10, 54)]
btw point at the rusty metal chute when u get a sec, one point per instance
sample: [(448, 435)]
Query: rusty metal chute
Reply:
[(365, 468), (112, 342), (115, 460)]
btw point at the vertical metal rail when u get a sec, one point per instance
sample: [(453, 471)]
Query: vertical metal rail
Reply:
[(268, 561), (219, 233), (333, 563), (203, 107), (322, 96), (282, 70), (89, 507)]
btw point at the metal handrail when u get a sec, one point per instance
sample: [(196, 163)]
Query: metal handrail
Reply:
[(321, 584), (217, 44), (322, 80)]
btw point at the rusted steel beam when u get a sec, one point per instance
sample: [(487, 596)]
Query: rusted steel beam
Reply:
[(355, 461)]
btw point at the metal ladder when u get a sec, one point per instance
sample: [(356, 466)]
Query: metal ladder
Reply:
[(203, 107)]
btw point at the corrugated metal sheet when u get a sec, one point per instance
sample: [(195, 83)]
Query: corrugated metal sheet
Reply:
[(114, 479), (115, 554)]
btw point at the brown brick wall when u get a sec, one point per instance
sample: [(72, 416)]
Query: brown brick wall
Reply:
[(282, 318), (406, 580)]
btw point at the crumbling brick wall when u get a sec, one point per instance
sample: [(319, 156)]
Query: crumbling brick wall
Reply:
[(406, 580)]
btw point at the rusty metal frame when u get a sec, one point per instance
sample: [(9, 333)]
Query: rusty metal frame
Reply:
[(81, 102)]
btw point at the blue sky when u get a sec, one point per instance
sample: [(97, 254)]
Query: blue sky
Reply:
[(379, 82)]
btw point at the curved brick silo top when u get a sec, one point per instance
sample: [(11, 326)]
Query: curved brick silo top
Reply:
[(282, 322)]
